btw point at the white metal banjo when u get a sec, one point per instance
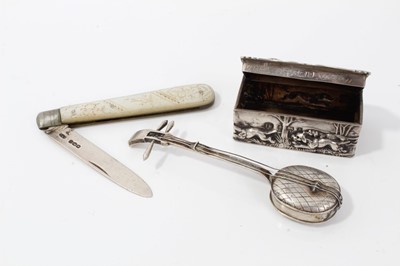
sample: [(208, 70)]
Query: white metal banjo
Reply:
[(302, 193)]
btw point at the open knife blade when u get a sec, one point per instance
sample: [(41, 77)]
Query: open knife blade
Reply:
[(55, 124), (99, 160)]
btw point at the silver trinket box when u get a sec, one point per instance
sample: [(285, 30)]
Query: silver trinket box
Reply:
[(299, 106)]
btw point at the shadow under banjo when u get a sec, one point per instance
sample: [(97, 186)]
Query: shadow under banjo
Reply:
[(302, 193)]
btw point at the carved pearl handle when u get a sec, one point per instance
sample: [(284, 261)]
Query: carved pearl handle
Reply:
[(160, 101)]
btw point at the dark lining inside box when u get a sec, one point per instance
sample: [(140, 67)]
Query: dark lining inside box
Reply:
[(300, 97)]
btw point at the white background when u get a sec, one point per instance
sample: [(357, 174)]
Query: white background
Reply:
[(54, 210)]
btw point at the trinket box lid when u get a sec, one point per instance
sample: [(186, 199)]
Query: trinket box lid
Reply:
[(274, 67)]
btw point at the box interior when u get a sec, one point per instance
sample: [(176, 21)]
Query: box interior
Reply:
[(300, 98)]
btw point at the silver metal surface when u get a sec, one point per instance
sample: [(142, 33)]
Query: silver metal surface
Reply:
[(301, 107), (99, 160), (302, 193), (274, 67), (296, 132), (51, 118), (306, 203)]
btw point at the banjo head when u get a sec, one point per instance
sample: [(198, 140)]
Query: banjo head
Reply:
[(300, 201)]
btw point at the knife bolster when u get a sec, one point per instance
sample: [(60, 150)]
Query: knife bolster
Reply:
[(48, 119)]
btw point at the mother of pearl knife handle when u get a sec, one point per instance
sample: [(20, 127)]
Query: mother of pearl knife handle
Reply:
[(160, 101)]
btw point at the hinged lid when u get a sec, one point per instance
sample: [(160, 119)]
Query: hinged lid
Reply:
[(274, 67)]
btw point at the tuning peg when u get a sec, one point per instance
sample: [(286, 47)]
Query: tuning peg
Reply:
[(163, 124), (147, 152), (169, 126)]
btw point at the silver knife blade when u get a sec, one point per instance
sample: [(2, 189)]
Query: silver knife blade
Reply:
[(99, 160)]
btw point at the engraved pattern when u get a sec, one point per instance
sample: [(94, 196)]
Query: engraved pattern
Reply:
[(177, 98), (275, 67), (302, 197)]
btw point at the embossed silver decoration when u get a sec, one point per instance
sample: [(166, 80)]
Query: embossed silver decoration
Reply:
[(302, 193), (300, 107)]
